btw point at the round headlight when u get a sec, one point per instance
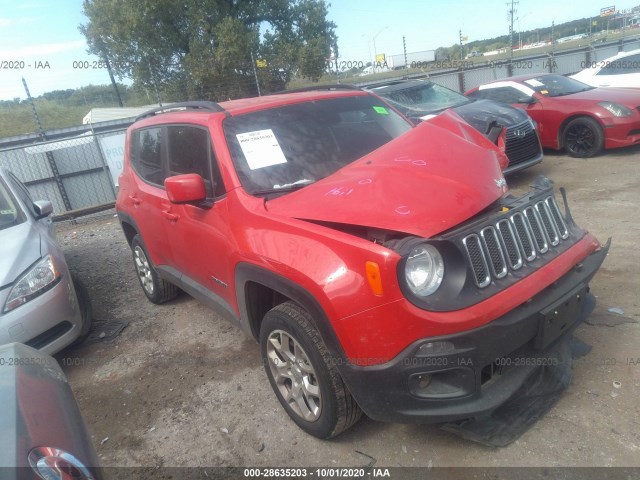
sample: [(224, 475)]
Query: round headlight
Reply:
[(424, 270)]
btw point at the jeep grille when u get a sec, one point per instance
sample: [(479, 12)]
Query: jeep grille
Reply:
[(514, 240)]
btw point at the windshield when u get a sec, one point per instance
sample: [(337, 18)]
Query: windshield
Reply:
[(10, 214), (286, 148), (424, 99), (556, 85)]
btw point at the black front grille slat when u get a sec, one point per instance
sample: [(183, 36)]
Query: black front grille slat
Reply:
[(536, 227), (478, 260), (510, 244), (494, 249), (514, 240), (547, 221), (557, 218)]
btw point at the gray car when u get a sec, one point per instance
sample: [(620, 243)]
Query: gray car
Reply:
[(39, 305)]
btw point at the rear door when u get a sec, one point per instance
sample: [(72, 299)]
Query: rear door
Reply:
[(147, 198)]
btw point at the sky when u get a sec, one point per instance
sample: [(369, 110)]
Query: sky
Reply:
[(44, 33)]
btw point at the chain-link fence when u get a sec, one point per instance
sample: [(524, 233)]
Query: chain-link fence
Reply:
[(78, 174)]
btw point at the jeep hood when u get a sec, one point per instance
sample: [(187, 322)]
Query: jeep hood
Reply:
[(21, 248), (422, 183)]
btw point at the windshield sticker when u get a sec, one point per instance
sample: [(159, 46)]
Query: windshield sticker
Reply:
[(544, 92), (381, 110), (534, 83), (261, 149)]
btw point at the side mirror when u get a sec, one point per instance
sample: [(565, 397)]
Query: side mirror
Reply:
[(42, 208), (526, 100), (185, 188)]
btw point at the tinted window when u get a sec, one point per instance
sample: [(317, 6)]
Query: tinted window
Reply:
[(190, 152), (630, 64), (146, 154), (501, 94), (289, 147), (10, 213)]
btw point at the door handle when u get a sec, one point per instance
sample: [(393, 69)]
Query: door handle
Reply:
[(170, 216), (136, 201)]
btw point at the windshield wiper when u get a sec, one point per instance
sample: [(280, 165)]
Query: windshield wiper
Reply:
[(285, 188)]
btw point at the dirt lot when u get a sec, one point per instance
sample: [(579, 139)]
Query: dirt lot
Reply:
[(182, 387)]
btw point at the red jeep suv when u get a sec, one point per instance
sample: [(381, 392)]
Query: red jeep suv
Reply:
[(384, 268)]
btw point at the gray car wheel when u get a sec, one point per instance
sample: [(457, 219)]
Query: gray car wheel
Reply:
[(302, 373), (157, 289)]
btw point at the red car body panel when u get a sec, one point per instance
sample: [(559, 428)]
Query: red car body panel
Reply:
[(386, 189), (440, 179), (552, 113)]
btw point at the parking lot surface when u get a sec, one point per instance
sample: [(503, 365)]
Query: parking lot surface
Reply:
[(182, 387)]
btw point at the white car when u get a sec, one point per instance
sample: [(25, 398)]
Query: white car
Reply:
[(621, 70)]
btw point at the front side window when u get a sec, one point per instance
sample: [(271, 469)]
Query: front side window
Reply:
[(10, 213), (146, 154), (190, 152), (285, 148)]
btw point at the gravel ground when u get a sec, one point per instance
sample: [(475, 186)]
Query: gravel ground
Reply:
[(182, 387)]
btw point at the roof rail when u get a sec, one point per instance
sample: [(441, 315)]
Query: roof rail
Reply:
[(197, 105), (311, 88)]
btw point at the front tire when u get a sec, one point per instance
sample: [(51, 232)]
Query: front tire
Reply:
[(154, 287), (302, 375), (583, 137)]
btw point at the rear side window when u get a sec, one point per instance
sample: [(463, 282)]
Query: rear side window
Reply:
[(146, 154)]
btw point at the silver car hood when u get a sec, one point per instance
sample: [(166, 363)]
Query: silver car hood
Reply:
[(19, 248)]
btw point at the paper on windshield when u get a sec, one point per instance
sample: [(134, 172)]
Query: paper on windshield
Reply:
[(261, 149), (534, 83)]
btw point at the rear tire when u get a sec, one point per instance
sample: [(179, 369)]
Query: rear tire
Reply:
[(583, 137), (157, 289), (302, 374)]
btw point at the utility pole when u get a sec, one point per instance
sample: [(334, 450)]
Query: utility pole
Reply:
[(461, 50), (103, 53), (404, 47), (510, 15)]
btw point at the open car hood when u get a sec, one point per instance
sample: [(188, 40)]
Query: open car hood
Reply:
[(423, 183)]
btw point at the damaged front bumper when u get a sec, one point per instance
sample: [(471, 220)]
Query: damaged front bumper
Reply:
[(470, 375)]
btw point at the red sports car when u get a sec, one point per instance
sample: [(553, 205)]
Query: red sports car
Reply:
[(570, 114)]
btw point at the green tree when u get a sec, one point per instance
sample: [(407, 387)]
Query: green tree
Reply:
[(203, 48)]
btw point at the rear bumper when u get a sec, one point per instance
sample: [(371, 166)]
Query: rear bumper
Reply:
[(480, 369)]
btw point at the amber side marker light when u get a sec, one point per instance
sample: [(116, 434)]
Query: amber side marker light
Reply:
[(374, 278)]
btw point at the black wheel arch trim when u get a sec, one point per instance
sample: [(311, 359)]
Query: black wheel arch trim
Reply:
[(126, 218), (247, 272)]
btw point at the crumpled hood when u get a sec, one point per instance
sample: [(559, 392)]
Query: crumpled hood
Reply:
[(423, 183), (481, 113), (20, 247)]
